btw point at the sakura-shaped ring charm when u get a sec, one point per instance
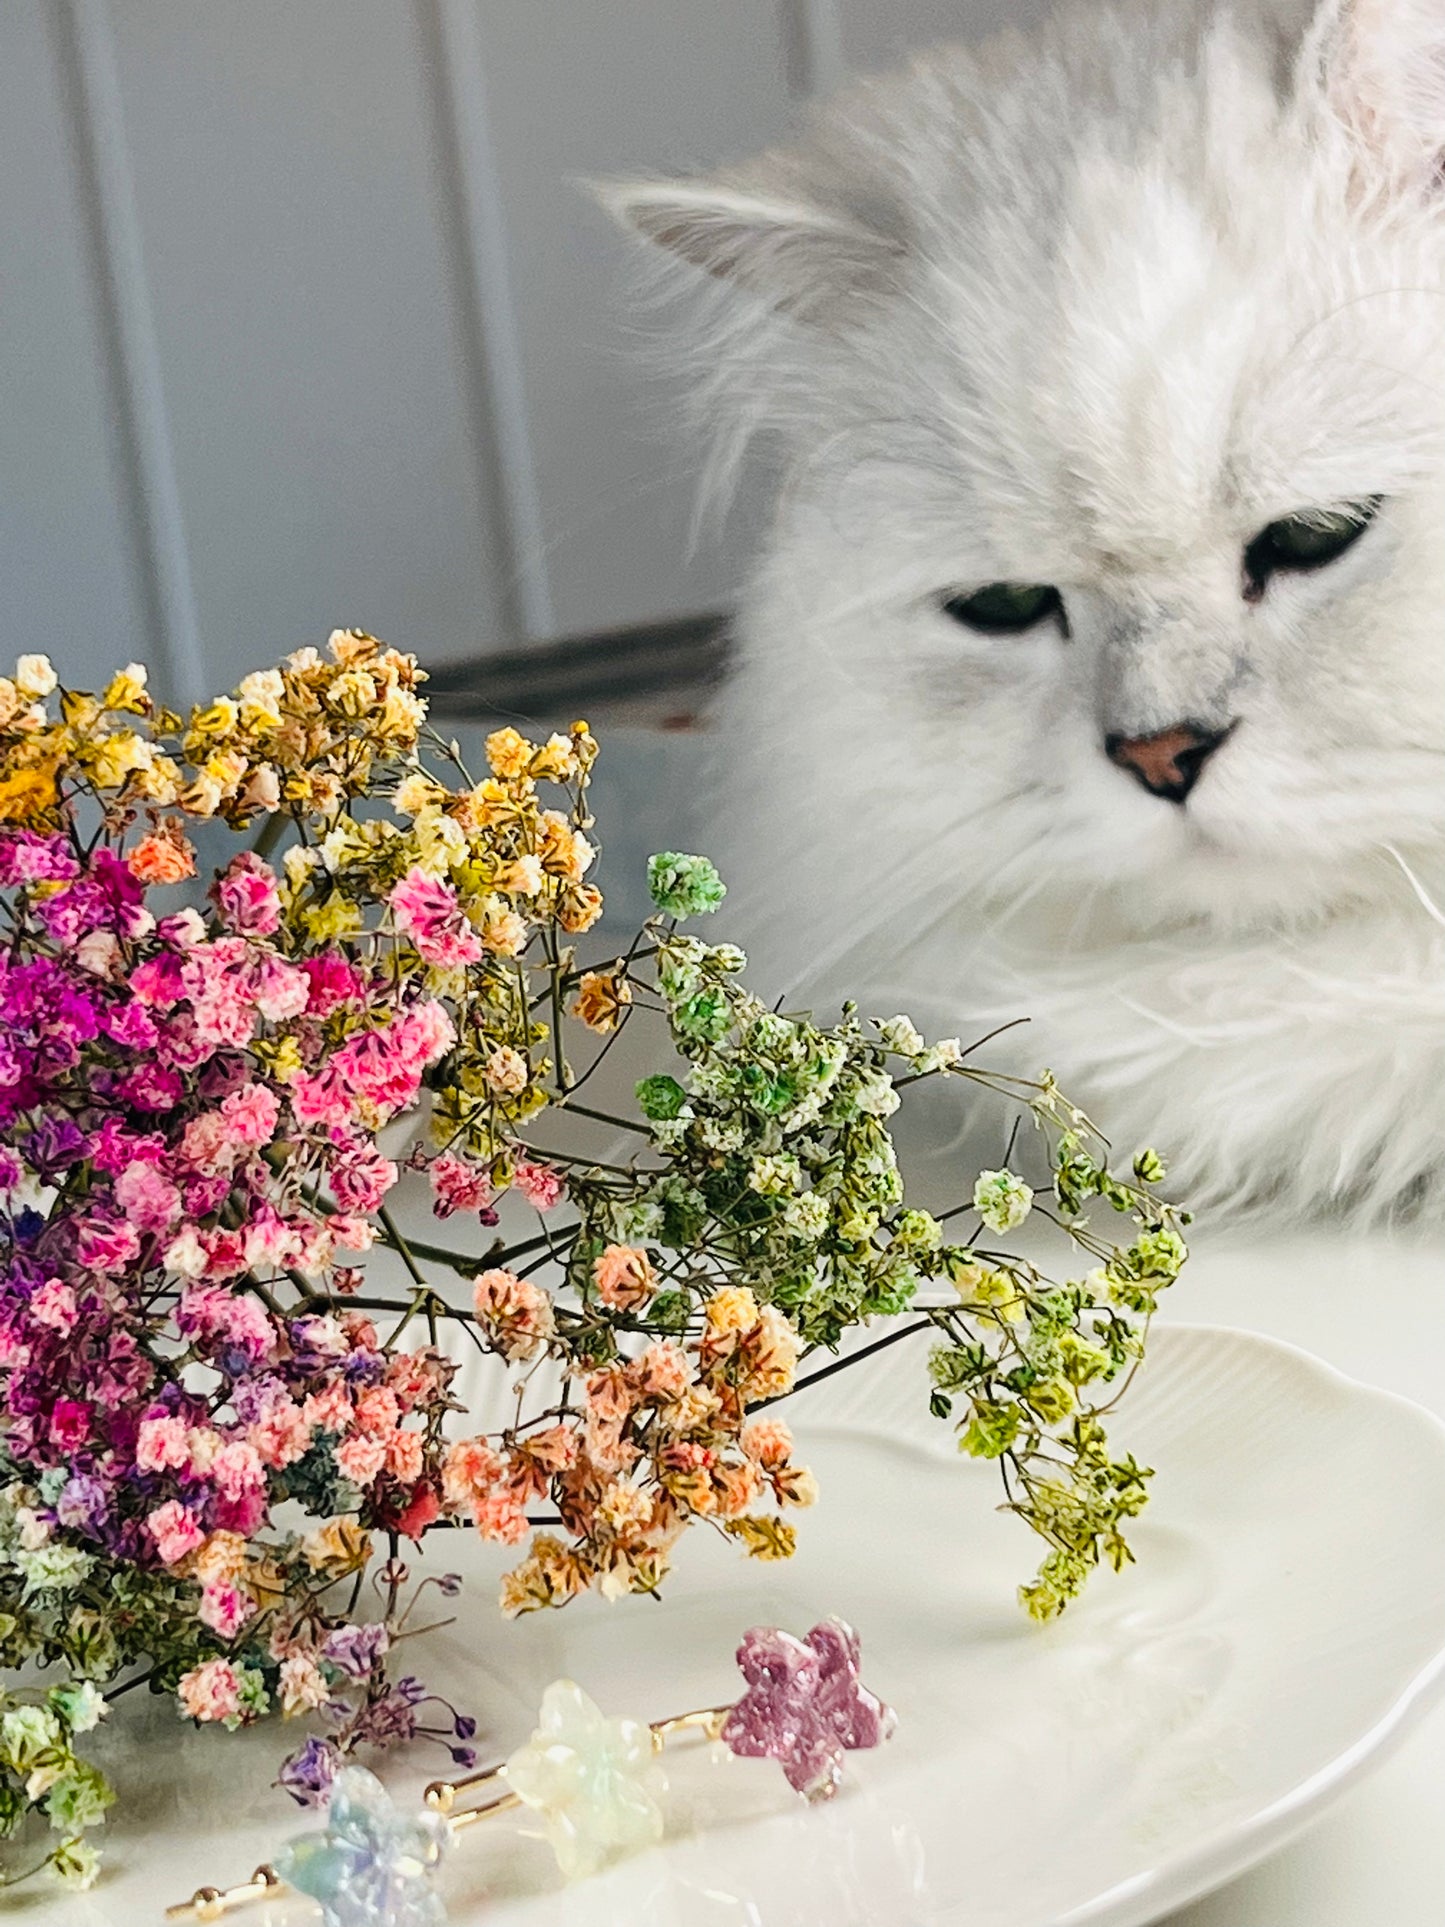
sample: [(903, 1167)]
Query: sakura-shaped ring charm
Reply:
[(806, 1705), (592, 1780)]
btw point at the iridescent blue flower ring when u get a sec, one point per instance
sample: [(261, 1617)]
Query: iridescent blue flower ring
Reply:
[(593, 1782)]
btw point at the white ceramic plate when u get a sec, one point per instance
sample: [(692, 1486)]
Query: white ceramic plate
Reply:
[(1286, 1617)]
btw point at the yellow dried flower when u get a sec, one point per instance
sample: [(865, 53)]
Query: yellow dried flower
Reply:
[(417, 792), (340, 1546), (29, 793), (508, 754), (116, 757), (555, 761), (127, 690)]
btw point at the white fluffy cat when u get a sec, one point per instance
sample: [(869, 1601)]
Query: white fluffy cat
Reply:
[(1095, 669)]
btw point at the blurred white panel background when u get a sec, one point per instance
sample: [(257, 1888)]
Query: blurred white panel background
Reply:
[(305, 320)]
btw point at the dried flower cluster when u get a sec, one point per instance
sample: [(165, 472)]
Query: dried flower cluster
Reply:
[(193, 1087)]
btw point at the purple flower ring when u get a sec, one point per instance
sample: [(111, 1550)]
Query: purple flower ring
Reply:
[(806, 1705)]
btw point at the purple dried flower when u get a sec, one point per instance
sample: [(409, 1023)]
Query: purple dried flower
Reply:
[(354, 1650), (307, 1773), (83, 1503)]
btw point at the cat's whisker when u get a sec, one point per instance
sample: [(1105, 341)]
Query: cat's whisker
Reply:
[(1431, 908)]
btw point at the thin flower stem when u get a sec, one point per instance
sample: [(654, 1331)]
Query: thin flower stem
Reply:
[(605, 1117), (400, 1246), (846, 1363)]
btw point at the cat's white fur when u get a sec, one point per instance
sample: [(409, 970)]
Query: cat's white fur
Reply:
[(1091, 308)]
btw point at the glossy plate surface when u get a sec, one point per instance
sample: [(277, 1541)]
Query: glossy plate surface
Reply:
[(1286, 1617)]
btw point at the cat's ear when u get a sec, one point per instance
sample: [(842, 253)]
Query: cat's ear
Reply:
[(801, 258), (1379, 66)]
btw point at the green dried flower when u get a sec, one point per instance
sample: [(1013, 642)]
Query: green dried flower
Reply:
[(660, 1097), (684, 886)]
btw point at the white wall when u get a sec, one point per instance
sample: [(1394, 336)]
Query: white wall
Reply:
[(305, 321)]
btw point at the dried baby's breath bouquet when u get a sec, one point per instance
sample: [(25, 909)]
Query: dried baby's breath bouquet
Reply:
[(217, 1422)]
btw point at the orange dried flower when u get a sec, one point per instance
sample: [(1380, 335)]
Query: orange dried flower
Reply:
[(601, 997), (165, 856)]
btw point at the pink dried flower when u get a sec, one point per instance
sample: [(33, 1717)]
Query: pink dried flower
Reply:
[(161, 1444), (225, 1609), (174, 1531), (246, 897), (211, 1691), (429, 912), (460, 1185), (237, 1469), (54, 1305), (332, 980), (281, 1435), (362, 1179), (107, 1245), (539, 1184), (150, 1201), (245, 894), (69, 1424), (360, 1458), (250, 1114), (351, 1233)]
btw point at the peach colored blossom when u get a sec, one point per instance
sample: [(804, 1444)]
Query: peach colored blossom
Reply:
[(159, 858), (469, 1472), (378, 1409), (360, 1458), (506, 1071), (625, 1508), (767, 1440), (221, 1558), (513, 1313), (211, 1691), (662, 1371), (736, 1487), (501, 1519), (303, 1685), (404, 1456), (554, 1448), (624, 1277), (609, 1395)]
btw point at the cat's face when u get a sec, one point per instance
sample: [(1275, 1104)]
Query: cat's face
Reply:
[(1114, 512)]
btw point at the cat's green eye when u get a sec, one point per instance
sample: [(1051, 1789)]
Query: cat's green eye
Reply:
[(1007, 608), (1309, 540)]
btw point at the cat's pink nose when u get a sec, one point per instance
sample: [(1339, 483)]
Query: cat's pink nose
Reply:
[(1168, 763)]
